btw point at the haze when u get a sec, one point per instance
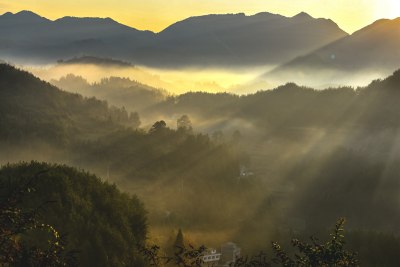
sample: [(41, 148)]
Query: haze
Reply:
[(151, 128)]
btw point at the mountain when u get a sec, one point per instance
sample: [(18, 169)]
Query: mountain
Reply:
[(261, 39), (373, 49), (27, 35), (22, 18)]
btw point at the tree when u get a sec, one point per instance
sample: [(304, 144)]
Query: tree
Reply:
[(16, 223), (101, 222), (158, 126), (179, 241), (184, 123), (314, 254), (134, 120)]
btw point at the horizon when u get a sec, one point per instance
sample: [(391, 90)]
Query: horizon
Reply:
[(350, 17), (202, 15)]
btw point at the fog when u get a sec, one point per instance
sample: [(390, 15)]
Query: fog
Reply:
[(250, 168), (236, 80), (175, 81), (250, 129), (323, 78)]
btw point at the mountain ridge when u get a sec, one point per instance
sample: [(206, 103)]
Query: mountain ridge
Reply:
[(219, 39), (372, 50)]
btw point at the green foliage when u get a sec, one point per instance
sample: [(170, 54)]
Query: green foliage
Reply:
[(32, 110), (150, 255), (352, 173), (316, 254), (188, 257), (183, 123), (158, 126), (16, 223), (100, 222), (179, 241), (260, 260), (183, 256), (373, 107), (121, 92), (332, 253), (183, 163)]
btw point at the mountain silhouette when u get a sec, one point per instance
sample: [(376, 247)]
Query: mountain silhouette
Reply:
[(26, 35), (371, 49), (261, 39), (237, 39), (22, 17)]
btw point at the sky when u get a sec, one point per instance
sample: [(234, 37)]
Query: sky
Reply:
[(156, 15)]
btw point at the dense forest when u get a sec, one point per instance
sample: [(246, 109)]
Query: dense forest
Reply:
[(290, 106), (101, 225), (121, 92), (32, 110), (251, 169)]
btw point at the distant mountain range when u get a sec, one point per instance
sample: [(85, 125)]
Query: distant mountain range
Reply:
[(373, 49), (221, 40), (262, 39), (26, 35), (309, 51)]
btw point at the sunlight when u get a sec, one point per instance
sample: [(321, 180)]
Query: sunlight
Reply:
[(243, 123), (387, 9), (211, 80)]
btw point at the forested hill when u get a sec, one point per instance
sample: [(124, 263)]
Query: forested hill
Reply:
[(32, 109), (101, 224), (374, 106), (35, 109), (86, 133), (335, 147), (116, 90)]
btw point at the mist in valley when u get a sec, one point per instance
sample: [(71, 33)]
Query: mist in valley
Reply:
[(213, 142), (176, 81), (258, 167)]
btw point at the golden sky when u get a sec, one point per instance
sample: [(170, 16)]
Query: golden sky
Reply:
[(155, 15)]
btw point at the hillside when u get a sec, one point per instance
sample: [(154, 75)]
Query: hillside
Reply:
[(68, 128), (269, 158), (122, 92), (32, 110), (81, 207), (292, 106)]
